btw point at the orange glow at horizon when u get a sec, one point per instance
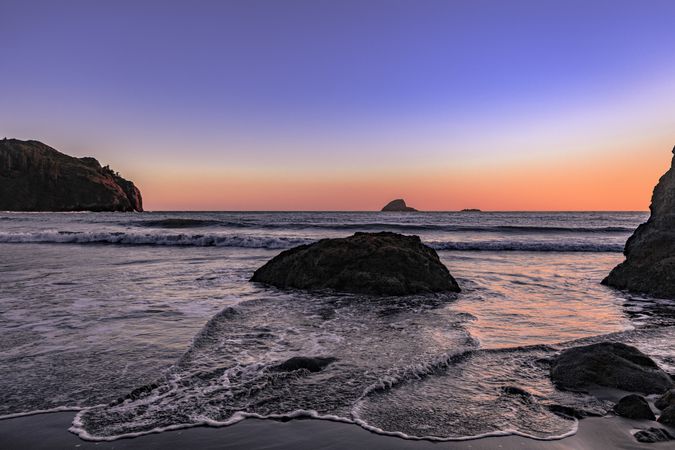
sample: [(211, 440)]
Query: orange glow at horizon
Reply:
[(611, 181)]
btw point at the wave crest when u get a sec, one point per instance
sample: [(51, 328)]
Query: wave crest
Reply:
[(281, 242)]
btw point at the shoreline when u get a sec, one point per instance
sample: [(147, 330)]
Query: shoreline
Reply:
[(50, 430)]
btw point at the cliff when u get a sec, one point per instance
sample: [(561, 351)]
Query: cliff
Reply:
[(650, 252), (36, 177)]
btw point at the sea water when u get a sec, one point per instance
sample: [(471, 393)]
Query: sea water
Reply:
[(147, 322)]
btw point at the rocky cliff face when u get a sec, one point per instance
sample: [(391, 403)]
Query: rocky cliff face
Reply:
[(35, 177), (650, 252), (397, 205)]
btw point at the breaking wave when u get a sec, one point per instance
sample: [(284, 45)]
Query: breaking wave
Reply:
[(370, 226), (283, 242)]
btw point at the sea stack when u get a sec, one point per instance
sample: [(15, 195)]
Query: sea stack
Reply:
[(366, 263), (36, 177), (650, 252), (398, 205)]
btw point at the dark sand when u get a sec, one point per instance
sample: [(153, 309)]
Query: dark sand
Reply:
[(49, 431)]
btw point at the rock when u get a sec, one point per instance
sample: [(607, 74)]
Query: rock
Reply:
[(666, 400), (634, 407), (667, 416), (313, 364), (651, 435), (35, 177), (516, 391), (471, 210), (366, 263), (567, 411), (398, 205), (608, 364), (650, 252)]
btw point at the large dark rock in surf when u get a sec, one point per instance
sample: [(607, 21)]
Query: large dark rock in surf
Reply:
[(366, 263), (667, 416), (666, 400), (650, 252), (35, 177), (608, 364), (397, 205), (634, 407)]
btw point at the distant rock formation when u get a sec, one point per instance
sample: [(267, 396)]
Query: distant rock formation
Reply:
[(36, 177), (650, 252), (365, 263), (471, 210), (398, 205)]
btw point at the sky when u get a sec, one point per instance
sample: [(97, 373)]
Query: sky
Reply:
[(345, 105)]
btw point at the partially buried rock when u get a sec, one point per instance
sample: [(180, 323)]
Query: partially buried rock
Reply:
[(666, 400), (634, 407), (650, 252), (667, 416), (313, 364), (608, 364), (366, 263), (651, 435)]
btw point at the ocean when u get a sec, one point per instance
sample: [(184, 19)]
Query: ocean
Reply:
[(145, 322)]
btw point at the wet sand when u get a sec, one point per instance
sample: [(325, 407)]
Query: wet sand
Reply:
[(49, 431)]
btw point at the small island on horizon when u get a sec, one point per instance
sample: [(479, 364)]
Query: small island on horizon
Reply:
[(397, 205)]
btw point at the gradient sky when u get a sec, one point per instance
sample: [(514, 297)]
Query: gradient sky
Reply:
[(344, 105)]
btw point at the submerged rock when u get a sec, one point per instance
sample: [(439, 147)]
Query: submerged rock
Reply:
[(35, 177), (650, 252), (398, 205), (667, 416), (653, 434), (517, 392), (313, 364), (608, 364), (666, 400), (634, 407), (366, 263)]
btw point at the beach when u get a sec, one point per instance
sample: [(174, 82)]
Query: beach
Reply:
[(48, 431)]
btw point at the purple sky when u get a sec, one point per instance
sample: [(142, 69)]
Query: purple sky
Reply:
[(264, 89)]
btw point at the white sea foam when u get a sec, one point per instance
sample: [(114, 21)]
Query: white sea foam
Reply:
[(78, 427), (280, 242)]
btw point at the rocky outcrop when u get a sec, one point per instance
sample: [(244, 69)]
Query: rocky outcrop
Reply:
[(36, 177), (666, 400), (397, 205), (366, 263), (650, 252), (667, 416), (634, 407), (653, 434), (609, 364)]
